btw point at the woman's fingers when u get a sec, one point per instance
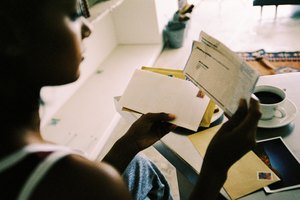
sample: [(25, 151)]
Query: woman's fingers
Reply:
[(238, 116), (157, 117), (251, 121)]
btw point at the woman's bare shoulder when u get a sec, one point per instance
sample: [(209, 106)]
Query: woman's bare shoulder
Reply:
[(74, 177)]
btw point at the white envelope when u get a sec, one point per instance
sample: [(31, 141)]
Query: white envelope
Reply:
[(152, 92)]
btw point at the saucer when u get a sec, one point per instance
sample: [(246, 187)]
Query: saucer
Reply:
[(291, 111)]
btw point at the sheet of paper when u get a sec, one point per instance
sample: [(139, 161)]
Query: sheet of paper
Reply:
[(243, 175), (152, 92), (222, 74)]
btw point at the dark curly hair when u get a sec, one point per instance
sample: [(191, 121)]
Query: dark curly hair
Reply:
[(17, 100)]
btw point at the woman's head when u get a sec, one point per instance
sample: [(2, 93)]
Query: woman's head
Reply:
[(41, 41)]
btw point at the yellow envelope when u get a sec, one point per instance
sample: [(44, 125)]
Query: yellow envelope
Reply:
[(205, 122), (243, 175), (209, 112)]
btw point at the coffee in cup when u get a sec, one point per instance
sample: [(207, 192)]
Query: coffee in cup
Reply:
[(271, 100)]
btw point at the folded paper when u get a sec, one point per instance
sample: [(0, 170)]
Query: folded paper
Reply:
[(220, 73)]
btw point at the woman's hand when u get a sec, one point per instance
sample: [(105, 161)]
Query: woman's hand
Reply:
[(235, 138), (144, 132), (148, 129)]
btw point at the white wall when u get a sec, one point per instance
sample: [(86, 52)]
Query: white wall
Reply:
[(143, 21)]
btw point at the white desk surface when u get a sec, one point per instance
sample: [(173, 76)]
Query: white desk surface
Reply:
[(182, 146)]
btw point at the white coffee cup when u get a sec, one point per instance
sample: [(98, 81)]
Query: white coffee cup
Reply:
[(271, 100)]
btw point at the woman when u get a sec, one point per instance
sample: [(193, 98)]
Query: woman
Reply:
[(41, 45)]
